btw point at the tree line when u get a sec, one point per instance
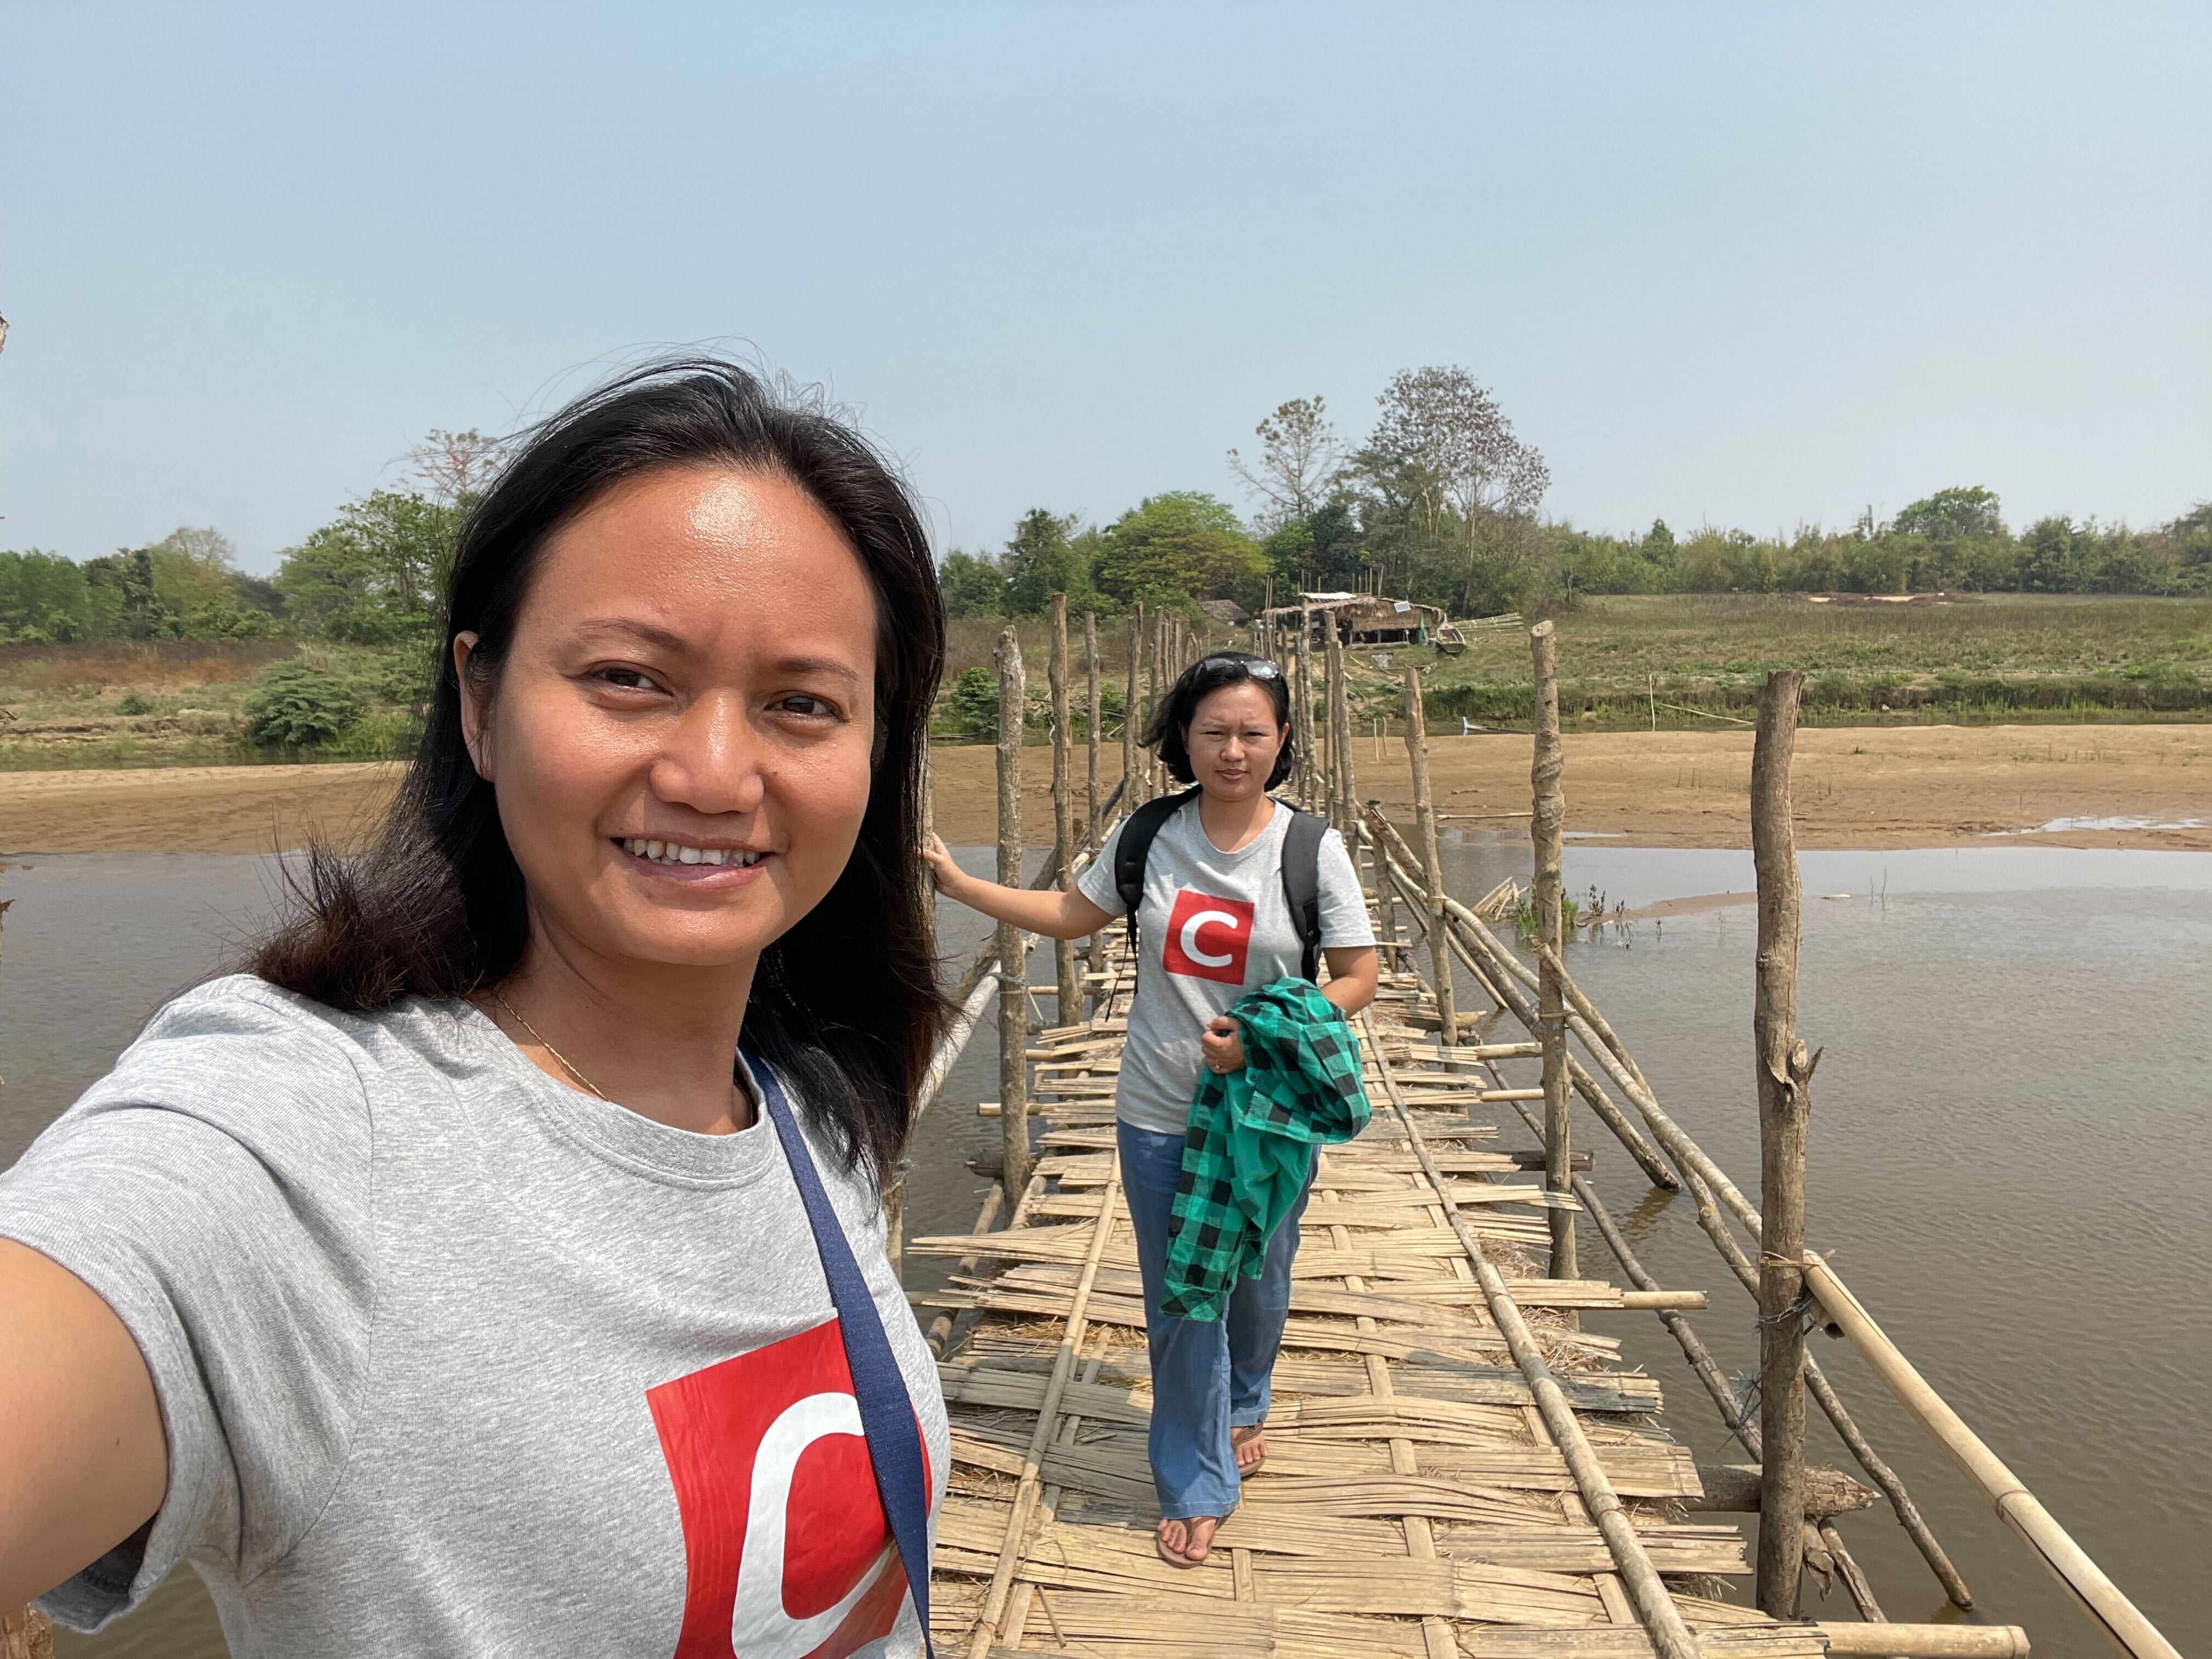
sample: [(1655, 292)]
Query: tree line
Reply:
[(1441, 503), (371, 576)]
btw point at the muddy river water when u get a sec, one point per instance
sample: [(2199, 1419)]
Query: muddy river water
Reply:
[(2010, 1157)]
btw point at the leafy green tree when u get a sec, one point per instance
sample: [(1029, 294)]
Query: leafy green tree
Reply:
[(124, 601), (2051, 559), (1952, 513), (1179, 546), (1041, 561), (372, 575), (1300, 459), (43, 598), (971, 585)]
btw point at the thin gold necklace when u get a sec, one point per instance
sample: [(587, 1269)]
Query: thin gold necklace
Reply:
[(567, 1065)]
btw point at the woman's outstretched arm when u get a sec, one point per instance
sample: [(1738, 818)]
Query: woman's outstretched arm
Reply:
[(83, 1463), (1034, 910), (1354, 974)]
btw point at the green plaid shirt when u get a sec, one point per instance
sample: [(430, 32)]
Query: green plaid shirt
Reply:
[(1249, 1150)]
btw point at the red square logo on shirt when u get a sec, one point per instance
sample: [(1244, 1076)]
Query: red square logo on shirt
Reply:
[(786, 1551), (1208, 938)]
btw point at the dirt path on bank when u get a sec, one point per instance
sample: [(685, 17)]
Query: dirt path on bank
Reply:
[(1856, 787)]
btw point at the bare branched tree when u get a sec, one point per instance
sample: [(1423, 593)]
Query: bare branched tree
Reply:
[(457, 463), (1443, 422), (1300, 458)]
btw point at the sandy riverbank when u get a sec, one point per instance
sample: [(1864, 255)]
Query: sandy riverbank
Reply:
[(1856, 787)]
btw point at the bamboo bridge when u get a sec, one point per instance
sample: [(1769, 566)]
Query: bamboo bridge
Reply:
[(1459, 1463)]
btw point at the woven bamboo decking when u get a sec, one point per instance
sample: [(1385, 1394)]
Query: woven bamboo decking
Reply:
[(1415, 1502)]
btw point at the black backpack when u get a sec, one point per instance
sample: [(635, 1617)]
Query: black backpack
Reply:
[(1301, 868)]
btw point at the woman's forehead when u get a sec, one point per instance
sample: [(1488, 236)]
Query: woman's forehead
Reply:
[(1242, 700)]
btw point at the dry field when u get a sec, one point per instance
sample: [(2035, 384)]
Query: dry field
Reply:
[(1856, 787)]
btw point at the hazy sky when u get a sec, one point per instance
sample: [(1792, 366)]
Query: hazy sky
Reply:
[(1754, 264)]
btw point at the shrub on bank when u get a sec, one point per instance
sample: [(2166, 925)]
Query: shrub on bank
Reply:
[(296, 705)]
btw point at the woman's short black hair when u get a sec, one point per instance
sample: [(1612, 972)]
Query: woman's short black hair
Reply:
[(1168, 731), (845, 1004)]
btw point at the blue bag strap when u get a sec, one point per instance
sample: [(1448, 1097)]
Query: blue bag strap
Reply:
[(887, 1415)]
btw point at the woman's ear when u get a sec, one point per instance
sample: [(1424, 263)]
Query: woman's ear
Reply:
[(476, 731)]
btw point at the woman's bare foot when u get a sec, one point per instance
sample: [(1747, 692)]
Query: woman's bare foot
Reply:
[(1186, 1543), (1250, 1445)]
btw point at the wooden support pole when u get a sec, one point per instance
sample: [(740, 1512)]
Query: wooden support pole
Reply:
[(1092, 826), (1343, 789), (1013, 943), (1784, 1075), (1432, 866), (1092, 716), (1065, 976), (1133, 710), (1301, 695), (1546, 827)]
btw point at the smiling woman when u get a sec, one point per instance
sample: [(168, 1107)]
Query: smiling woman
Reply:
[(499, 1264)]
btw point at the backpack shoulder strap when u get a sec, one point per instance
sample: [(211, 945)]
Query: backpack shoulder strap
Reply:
[(1135, 846), (1302, 884)]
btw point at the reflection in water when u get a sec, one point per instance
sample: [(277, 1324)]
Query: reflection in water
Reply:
[(1644, 1220), (2007, 1155)]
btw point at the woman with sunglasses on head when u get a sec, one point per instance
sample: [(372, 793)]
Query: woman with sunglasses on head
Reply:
[(498, 1265), (1214, 923)]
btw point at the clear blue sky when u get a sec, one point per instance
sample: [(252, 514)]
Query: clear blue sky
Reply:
[(1754, 264)]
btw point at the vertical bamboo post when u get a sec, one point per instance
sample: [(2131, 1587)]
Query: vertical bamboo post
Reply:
[(1013, 948), (1158, 660), (1340, 737), (1070, 982), (1785, 1076), (1432, 863), (1090, 724), (1544, 833), (1302, 692), (1132, 711)]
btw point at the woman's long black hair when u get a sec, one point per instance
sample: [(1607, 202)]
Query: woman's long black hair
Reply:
[(1171, 722), (845, 1004)]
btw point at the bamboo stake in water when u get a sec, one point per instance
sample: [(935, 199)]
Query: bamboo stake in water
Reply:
[(1013, 943), (1784, 1075), (1432, 866), (1546, 826), (1068, 980)]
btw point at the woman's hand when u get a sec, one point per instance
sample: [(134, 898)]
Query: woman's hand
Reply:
[(949, 874), (1224, 1043)]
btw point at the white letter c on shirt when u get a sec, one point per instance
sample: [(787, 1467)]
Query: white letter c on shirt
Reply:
[(1189, 940), (759, 1626)]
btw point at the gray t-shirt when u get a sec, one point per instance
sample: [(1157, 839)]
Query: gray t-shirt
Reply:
[(1213, 924), (453, 1359)]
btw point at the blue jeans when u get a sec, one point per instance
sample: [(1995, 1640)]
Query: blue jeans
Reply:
[(1207, 1377)]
